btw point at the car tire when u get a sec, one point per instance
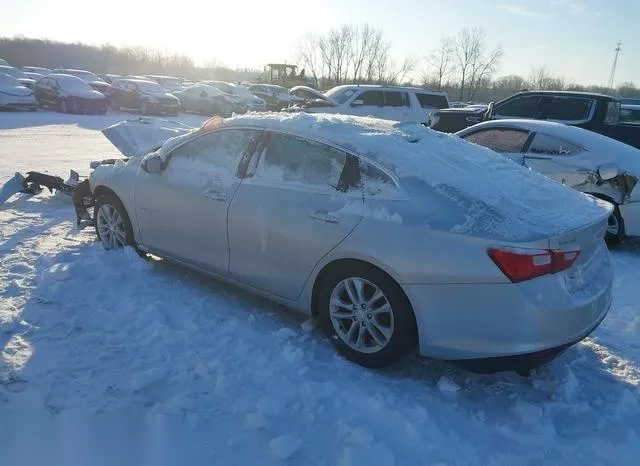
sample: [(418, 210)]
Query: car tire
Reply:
[(615, 228), (373, 334), (112, 223)]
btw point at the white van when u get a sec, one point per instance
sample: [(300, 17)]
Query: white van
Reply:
[(386, 102)]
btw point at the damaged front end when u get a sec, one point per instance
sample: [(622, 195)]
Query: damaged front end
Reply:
[(133, 138)]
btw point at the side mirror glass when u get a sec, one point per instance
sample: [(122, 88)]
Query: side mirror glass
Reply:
[(357, 103), (152, 163), (607, 171)]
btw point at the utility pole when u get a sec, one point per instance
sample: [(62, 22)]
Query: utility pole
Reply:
[(615, 63)]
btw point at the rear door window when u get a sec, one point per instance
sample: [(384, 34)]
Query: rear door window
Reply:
[(298, 163), (505, 141), (545, 144), (432, 101), (569, 109), (395, 99), (519, 107), (375, 98)]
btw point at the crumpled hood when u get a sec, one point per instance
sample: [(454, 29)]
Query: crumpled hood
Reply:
[(20, 91), (137, 137)]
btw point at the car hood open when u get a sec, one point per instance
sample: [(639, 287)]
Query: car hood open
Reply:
[(137, 137)]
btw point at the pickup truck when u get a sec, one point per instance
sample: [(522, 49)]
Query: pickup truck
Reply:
[(595, 112)]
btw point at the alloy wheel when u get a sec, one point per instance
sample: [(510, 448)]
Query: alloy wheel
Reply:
[(361, 315), (111, 228)]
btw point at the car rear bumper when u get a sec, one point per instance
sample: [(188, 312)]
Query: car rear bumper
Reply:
[(478, 321)]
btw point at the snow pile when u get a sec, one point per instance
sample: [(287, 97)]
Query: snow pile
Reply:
[(501, 198)]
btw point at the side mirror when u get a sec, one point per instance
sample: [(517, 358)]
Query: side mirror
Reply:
[(489, 113), (152, 163), (357, 103), (607, 171)]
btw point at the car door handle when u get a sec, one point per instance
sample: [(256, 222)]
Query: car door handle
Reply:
[(325, 217), (215, 195)]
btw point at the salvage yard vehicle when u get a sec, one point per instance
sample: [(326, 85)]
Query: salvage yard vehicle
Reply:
[(18, 74), (69, 94), (204, 99), (276, 97), (595, 112), (388, 102), (148, 97), (87, 76), (242, 97), (14, 96), (494, 266), (584, 160)]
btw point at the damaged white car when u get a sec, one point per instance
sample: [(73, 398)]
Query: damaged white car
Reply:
[(582, 159)]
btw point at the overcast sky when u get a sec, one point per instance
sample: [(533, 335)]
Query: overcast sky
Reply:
[(573, 38)]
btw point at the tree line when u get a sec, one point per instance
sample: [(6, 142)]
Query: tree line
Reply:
[(464, 65)]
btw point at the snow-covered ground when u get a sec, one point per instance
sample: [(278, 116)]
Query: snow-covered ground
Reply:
[(106, 358)]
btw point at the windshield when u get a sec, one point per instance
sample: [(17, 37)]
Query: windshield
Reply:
[(84, 75), (73, 83), (340, 95), (150, 87), (8, 81)]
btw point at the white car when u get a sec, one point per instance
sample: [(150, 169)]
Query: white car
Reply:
[(386, 102), (584, 160), (14, 95), (240, 95)]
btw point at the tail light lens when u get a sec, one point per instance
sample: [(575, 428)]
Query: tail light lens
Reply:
[(521, 265)]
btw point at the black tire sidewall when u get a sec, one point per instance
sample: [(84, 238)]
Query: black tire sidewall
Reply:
[(404, 338), (110, 199)]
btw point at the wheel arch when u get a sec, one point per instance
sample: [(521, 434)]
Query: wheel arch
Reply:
[(336, 263)]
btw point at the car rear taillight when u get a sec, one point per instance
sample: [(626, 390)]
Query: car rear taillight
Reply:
[(521, 264)]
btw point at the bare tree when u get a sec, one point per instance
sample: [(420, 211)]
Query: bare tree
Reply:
[(542, 79), (467, 51), (441, 61), (474, 64), (310, 56)]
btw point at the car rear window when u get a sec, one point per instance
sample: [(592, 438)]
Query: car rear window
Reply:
[(432, 101), (569, 109)]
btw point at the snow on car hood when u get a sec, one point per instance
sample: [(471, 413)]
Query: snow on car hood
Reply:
[(140, 136), (493, 196)]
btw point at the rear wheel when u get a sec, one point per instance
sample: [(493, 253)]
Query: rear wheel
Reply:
[(113, 226), (367, 315)]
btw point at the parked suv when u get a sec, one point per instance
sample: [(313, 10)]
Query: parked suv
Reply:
[(588, 110), (386, 102)]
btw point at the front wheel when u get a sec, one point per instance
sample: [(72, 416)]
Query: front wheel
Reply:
[(367, 315), (113, 226)]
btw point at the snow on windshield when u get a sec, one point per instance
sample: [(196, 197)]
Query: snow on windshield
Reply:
[(493, 196), (84, 75), (73, 82), (151, 87), (339, 95)]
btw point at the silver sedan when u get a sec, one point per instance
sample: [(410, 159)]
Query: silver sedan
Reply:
[(393, 236)]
